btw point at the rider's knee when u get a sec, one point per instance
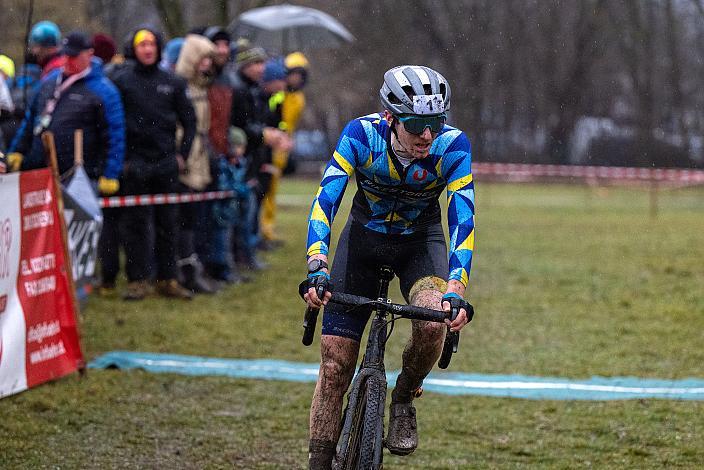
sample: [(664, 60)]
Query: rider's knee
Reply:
[(337, 371), (427, 292)]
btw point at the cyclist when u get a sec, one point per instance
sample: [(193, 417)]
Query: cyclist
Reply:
[(402, 160)]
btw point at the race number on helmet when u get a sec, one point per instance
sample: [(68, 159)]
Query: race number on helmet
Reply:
[(415, 89)]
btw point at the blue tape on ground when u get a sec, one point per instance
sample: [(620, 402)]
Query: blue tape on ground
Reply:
[(516, 386)]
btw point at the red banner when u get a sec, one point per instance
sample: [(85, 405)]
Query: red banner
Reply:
[(38, 334)]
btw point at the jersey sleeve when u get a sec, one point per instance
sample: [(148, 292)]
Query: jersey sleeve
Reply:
[(457, 169), (350, 145)]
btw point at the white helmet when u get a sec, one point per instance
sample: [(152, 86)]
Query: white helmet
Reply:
[(415, 89)]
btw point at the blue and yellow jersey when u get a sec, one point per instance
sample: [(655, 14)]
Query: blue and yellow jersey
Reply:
[(395, 200)]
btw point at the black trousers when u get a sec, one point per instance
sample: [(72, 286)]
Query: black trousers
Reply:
[(150, 233)]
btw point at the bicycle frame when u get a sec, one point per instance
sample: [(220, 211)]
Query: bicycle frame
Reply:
[(372, 362)]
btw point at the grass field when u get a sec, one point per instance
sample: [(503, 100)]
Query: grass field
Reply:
[(567, 281)]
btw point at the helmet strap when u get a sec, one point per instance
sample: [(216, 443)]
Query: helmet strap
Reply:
[(403, 151)]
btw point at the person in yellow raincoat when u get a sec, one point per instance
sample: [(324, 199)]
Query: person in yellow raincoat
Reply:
[(292, 103)]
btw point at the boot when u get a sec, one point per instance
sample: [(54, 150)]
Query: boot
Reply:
[(136, 290), (192, 273), (171, 288), (320, 454)]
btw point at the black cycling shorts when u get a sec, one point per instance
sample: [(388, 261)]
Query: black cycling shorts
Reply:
[(355, 269)]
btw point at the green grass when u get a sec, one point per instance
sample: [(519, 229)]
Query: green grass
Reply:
[(567, 281)]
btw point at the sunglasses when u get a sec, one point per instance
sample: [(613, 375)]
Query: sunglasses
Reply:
[(417, 124)]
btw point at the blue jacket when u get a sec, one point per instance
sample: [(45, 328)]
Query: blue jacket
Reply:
[(92, 104)]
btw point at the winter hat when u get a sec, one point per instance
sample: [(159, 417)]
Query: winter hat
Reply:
[(274, 70), (45, 34), (247, 53), (216, 33), (104, 47), (7, 66), (172, 51), (236, 136)]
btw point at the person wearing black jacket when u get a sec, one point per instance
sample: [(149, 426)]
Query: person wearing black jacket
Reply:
[(155, 103), (248, 114)]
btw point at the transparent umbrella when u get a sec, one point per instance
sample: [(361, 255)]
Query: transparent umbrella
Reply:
[(287, 28)]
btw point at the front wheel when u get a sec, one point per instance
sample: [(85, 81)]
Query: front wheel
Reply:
[(362, 444), (370, 451)]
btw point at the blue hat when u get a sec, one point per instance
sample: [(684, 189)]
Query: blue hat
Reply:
[(173, 50), (45, 33), (275, 69)]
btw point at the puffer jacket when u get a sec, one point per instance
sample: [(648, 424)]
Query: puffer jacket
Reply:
[(196, 48), (93, 104)]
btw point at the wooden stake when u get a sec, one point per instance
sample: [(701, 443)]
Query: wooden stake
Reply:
[(50, 149), (78, 147)]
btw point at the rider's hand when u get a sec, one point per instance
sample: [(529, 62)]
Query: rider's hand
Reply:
[(462, 319), (311, 297)]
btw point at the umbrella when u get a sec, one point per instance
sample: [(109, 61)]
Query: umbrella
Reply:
[(286, 28)]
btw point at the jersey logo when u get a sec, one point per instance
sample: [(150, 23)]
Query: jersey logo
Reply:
[(420, 175)]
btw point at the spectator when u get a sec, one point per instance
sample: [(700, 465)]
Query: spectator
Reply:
[(226, 212), (94, 106), (7, 106), (43, 56), (244, 114), (171, 52), (220, 92), (268, 112), (44, 46), (105, 48), (155, 102), (196, 66), (292, 101)]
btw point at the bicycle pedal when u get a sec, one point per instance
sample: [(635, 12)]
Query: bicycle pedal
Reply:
[(417, 393)]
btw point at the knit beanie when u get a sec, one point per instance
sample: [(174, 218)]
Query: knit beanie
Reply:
[(274, 70), (247, 53)]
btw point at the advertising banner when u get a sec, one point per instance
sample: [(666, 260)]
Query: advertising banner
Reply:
[(38, 334)]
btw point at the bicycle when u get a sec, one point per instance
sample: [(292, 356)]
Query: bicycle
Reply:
[(360, 445)]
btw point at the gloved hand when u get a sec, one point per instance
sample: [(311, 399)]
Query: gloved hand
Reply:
[(464, 309), (14, 161), (108, 186)]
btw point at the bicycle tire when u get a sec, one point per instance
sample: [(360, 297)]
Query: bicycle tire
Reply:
[(370, 451), (363, 449)]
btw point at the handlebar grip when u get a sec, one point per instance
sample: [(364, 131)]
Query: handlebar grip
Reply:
[(452, 340), (309, 321)]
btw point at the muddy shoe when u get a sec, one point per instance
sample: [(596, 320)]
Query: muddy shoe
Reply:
[(136, 290), (402, 438), (171, 288)]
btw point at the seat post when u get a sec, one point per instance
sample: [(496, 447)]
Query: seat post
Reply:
[(386, 274)]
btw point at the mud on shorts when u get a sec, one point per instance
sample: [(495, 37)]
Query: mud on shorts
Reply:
[(355, 270)]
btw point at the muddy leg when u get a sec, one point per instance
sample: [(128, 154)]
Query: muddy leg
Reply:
[(338, 360), (422, 350)]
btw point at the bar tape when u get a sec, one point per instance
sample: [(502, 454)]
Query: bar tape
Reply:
[(156, 199)]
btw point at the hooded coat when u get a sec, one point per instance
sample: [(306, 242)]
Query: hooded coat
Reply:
[(195, 49), (155, 103)]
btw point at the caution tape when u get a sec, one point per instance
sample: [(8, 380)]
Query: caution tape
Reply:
[(600, 172), (479, 168), (157, 199)]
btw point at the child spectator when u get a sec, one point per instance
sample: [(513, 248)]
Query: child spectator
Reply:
[(227, 218)]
